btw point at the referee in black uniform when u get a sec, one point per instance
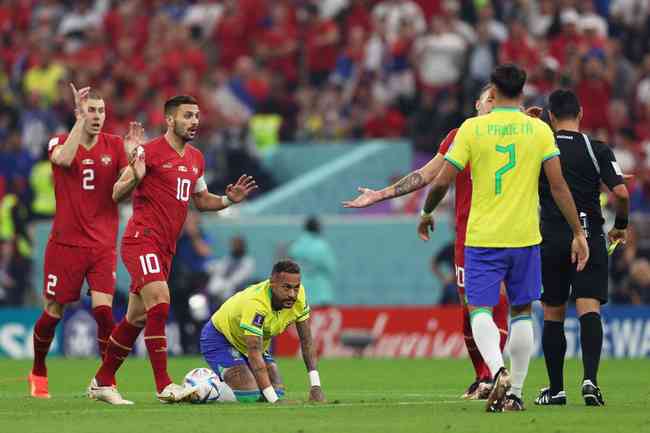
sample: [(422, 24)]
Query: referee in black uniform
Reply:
[(586, 163)]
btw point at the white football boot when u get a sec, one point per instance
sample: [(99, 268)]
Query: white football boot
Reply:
[(108, 394), (174, 393)]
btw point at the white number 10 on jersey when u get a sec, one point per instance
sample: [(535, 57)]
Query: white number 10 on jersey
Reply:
[(183, 189)]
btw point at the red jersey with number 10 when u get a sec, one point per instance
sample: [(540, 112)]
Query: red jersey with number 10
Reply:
[(86, 215), (463, 199), (161, 200)]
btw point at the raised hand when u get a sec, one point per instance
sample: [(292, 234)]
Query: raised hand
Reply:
[(425, 224), (134, 138), (80, 97), (367, 198), (316, 395), (240, 190), (137, 162)]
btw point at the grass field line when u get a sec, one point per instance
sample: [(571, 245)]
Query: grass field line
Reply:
[(233, 407)]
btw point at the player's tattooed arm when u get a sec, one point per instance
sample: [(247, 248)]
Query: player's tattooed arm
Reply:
[(256, 360), (439, 187), (411, 182), (307, 344), (64, 155)]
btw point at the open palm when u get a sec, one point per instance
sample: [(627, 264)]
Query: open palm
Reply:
[(367, 198), (240, 190)]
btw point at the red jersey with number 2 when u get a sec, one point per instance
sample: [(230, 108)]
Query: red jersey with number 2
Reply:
[(161, 200), (463, 200), (86, 215)]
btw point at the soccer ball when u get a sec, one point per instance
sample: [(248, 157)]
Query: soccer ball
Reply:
[(207, 381)]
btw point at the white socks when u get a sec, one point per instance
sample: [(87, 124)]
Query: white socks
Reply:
[(487, 337), (521, 349)]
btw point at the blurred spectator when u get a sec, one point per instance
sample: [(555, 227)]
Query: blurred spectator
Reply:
[(15, 246), (189, 273), (317, 262), (41, 183), (231, 273), (442, 266), (43, 76), (594, 90), (438, 55), (395, 13), (321, 39)]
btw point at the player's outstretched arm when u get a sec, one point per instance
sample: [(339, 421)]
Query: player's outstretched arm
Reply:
[(309, 356), (564, 200), (255, 348), (206, 201), (412, 182), (64, 155), (438, 190)]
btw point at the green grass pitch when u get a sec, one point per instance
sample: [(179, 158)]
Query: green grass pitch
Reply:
[(364, 396)]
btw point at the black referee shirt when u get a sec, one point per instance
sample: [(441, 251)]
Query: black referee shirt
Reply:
[(585, 163)]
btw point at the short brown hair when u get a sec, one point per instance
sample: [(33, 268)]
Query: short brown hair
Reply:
[(94, 94)]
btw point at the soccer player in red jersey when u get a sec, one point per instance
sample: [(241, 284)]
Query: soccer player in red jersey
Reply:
[(167, 172), (418, 179), (86, 163)]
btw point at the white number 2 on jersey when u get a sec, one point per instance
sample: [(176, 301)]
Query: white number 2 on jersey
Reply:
[(89, 176), (183, 189)]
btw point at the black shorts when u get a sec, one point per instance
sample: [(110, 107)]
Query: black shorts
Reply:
[(559, 276)]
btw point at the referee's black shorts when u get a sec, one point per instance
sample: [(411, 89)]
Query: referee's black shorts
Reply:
[(560, 280)]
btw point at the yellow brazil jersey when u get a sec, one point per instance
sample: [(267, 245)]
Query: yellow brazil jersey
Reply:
[(249, 312), (505, 150)]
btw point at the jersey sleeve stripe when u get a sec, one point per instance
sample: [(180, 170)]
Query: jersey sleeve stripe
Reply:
[(551, 155), (456, 164), (251, 329), (304, 313)]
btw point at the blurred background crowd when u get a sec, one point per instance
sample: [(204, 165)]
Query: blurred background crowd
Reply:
[(268, 73)]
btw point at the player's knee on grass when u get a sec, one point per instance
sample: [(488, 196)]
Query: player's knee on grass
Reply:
[(242, 382)]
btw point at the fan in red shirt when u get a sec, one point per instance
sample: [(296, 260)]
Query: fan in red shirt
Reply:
[(167, 172), (85, 165), (418, 179)]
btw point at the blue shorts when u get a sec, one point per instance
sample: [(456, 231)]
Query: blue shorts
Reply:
[(219, 353), (519, 268)]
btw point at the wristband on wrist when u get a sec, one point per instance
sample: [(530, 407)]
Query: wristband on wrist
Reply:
[(314, 378), (225, 200), (620, 223), (270, 395), (425, 214)]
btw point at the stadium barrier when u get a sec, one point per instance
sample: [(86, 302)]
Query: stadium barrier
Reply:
[(393, 332), (436, 332)]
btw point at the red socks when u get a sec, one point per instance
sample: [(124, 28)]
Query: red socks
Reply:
[(156, 342), (103, 315), (119, 346), (43, 336), (500, 317)]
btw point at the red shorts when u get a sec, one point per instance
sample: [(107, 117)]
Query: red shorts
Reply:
[(145, 262), (66, 266), (459, 266)]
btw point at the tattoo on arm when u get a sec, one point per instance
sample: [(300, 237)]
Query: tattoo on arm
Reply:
[(306, 344), (408, 184)]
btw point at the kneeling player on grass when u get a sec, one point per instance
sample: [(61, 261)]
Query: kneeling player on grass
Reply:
[(236, 340)]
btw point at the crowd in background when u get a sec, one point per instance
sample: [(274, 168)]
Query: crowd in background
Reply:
[(269, 72)]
